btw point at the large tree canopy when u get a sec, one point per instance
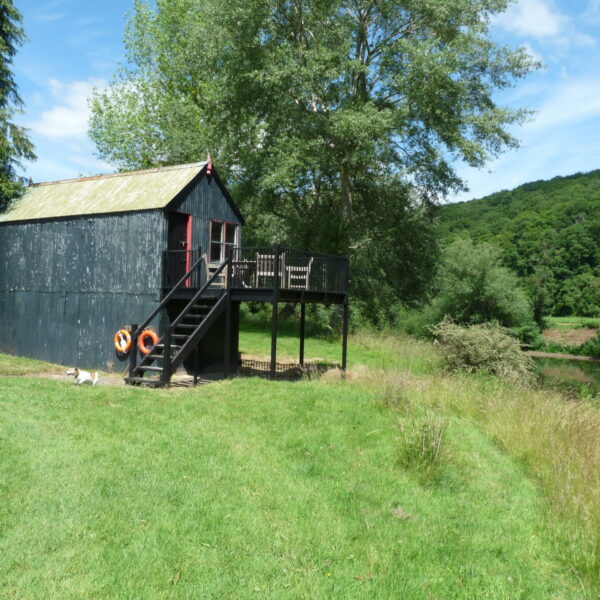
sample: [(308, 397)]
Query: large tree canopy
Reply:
[(14, 143), (339, 120)]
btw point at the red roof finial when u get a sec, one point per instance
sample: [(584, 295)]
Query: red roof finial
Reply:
[(208, 164)]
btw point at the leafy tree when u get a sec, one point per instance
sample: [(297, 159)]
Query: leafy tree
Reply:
[(473, 287), (14, 143), (336, 118)]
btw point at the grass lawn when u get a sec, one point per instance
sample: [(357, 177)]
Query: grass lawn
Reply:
[(16, 365), (389, 484), (573, 322)]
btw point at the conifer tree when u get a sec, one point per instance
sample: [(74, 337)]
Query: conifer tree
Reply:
[(14, 142)]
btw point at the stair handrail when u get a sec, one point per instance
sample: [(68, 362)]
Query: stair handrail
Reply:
[(164, 301), (166, 338), (199, 293), (176, 359)]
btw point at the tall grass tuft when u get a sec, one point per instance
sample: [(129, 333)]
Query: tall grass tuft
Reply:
[(423, 445), (486, 347)]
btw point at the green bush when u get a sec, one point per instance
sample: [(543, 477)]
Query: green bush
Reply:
[(487, 347), (530, 336), (591, 347)]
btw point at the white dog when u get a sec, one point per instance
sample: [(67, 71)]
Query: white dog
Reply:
[(83, 376)]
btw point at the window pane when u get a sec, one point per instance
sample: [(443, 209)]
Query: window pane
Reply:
[(216, 231), (215, 252), (230, 234)]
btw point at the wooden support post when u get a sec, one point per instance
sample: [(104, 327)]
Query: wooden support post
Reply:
[(166, 372), (274, 315), (165, 269), (345, 317), (227, 358), (345, 335), (195, 365), (302, 329), (133, 350)]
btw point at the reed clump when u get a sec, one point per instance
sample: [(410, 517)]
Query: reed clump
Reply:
[(423, 446)]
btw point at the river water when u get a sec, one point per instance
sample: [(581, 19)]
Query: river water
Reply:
[(581, 377)]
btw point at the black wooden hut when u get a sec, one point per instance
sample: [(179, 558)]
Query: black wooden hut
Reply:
[(160, 248), (80, 258)]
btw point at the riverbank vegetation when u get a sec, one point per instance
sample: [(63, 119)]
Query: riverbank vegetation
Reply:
[(548, 234)]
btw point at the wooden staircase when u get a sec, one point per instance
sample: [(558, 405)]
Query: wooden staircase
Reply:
[(184, 332)]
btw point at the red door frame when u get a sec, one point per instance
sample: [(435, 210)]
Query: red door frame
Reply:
[(188, 243)]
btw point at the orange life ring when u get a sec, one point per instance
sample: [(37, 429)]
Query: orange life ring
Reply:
[(143, 339), (122, 341)]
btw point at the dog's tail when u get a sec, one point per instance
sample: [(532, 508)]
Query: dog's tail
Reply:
[(95, 378)]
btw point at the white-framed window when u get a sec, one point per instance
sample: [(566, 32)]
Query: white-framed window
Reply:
[(223, 237)]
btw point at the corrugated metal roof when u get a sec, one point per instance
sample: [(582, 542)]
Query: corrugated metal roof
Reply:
[(136, 190)]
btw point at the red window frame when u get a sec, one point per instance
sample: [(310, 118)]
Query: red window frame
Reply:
[(223, 242)]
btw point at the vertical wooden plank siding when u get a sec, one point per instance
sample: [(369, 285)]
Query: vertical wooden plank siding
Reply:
[(67, 285)]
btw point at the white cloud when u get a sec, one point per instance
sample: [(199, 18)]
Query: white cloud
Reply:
[(88, 21), (592, 14), (585, 40), (49, 17), (536, 18), (90, 164), (572, 101), (69, 118), (48, 169)]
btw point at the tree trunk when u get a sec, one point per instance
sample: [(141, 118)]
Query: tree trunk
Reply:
[(346, 194)]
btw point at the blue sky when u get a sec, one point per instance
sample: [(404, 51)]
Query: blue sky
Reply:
[(75, 45)]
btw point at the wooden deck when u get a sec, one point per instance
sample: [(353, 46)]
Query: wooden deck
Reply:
[(261, 274)]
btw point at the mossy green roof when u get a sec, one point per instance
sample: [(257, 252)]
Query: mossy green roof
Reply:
[(119, 192)]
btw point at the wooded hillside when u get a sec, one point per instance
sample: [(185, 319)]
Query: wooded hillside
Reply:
[(549, 233)]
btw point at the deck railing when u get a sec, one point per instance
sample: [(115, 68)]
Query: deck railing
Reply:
[(269, 267), (264, 268)]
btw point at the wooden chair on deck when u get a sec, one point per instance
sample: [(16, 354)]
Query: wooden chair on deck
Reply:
[(265, 268), (299, 276), (210, 268)]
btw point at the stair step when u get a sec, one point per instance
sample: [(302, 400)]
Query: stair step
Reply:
[(195, 316), (143, 368), (162, 346), (180, 335), (144, 381), (186, 326)]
